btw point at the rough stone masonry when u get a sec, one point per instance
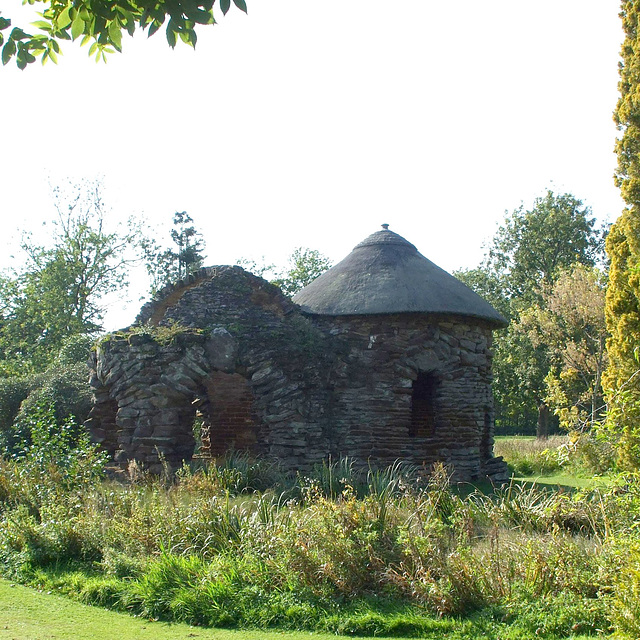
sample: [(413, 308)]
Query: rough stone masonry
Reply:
[(384, 357)]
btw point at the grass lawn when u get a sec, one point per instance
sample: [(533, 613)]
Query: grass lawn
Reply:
[(568, 481), (26, 614)]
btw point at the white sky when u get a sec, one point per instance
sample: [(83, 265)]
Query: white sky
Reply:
[(309, 124)]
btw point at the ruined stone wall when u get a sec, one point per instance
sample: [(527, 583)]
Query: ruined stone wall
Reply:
[(230, 348), (144, 392), (225, 344)]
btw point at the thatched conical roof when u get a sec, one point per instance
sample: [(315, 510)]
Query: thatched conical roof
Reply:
[(386, 274)]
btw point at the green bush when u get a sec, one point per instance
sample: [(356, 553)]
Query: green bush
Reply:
[(64, 388), (13, 392), (405, 558), (625, 612), (75, 350), (64, 384)]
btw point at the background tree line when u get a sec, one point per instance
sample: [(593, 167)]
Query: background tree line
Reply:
[(545, 271)]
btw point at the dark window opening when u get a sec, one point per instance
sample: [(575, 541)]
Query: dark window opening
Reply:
[(423, 405), (486, 441)]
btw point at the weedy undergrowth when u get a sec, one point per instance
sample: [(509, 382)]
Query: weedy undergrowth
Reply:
[(347, 549)]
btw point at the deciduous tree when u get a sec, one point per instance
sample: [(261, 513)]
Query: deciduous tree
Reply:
[(305, 265), (527, 254), (532, 247), (569, 324), (103, 24), (59, 290), (166, 266)]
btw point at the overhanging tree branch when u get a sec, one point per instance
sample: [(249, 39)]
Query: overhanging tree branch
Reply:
[(102, 24)]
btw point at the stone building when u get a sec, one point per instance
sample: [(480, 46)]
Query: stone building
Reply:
[(383, 357)]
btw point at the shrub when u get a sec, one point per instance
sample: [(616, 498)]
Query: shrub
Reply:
[(625, 612), (64, 384), (65, 389), (13, 391), (589, 453)]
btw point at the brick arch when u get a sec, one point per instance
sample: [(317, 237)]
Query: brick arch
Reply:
[(227, 409)]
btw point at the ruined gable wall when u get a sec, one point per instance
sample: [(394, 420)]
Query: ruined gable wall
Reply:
[(240, 348)]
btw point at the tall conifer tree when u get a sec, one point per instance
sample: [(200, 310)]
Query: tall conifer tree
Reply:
[(622, 379)]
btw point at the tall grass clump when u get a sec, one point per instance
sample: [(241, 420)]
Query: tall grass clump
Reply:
[(531, 456), (344, 548)]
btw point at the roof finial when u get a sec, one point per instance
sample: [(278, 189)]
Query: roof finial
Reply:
[(385, 227)]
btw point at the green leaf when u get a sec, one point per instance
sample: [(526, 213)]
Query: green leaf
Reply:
[(64, 19), (188, 37), (38, 43), (241, 4), (4, 23), (99, 25), (115, 33), (77, 27), (224, 6), (200, 16), (128, 20), (8, 50), (42, 24), (171, 36), (92, 48), (18, 34), (154, 27)]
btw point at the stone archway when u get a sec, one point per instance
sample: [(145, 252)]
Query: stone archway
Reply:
[(148, 387)]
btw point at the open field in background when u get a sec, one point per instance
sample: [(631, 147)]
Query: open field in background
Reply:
[(570, 460), (378, 553), (528, 456)]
